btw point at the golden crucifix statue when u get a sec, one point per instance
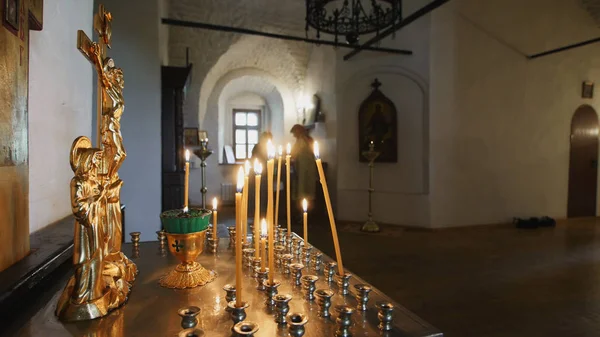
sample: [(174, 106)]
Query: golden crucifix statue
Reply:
[(103, 275)]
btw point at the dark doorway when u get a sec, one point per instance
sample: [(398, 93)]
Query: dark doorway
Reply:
[(583, 163)]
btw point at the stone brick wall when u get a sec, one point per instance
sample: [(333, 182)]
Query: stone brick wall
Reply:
[(215, 53)]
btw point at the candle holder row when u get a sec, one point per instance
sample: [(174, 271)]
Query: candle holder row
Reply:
[(291, 264)]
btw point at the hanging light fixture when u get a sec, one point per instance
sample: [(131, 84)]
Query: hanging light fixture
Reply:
[(352, 18)]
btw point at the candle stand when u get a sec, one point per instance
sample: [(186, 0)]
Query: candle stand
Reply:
[(203, 153), (371, 155), (304, 316)]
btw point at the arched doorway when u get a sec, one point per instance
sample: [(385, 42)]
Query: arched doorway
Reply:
[(583, 163)]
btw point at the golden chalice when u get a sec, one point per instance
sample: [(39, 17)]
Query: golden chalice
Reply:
[(186, 247)]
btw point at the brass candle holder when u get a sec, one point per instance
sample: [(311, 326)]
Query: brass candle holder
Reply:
[(371, 155), (188, 273)]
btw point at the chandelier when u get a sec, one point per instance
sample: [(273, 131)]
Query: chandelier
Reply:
[(352, 18)]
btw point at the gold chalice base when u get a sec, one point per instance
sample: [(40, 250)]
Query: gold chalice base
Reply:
[(189, 273)]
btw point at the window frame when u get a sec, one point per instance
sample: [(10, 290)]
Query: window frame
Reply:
[(235, 127)]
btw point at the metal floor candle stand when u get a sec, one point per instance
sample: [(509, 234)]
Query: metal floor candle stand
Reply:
[(153, 310)]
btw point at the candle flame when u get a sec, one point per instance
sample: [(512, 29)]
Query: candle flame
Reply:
[(316, 149), (240, 179), (270, 150), (187, 155), (185, 209), (248, 167), (214, 204), (305, 205), (263, 227), (288, 148), (280, 150), (257, 167)]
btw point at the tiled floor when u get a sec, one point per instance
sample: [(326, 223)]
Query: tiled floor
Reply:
[(488, 281)]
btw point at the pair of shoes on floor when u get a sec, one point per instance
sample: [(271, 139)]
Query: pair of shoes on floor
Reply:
[(533, 223)]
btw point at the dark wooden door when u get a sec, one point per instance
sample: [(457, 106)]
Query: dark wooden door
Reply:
[(583, 163), (174, 81)]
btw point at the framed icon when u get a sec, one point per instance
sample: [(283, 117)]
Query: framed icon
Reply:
[(190, 137), (11, 13), (587, 89)]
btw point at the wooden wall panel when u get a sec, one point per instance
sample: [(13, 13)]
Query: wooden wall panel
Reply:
[(14, 166)]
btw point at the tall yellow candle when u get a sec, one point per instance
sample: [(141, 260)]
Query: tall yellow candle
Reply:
[(277, 187), (257, 176), (263, 245), (287, 187), (271, 228), (238, 238), (336, 242), (247, 168), (305, 217), (215, 221), (187, 181)]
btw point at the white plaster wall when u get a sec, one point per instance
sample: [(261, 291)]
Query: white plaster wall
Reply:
[(136, 49), (60, 100), (499, 123), (245, 89), (401, 189)]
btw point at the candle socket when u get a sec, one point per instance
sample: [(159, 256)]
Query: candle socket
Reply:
[(231, 230), (296, 323), (330, 270), (288, 242), (385, 315), (213, 245), (279, 250), (191, 332), (135, 252), (343, 283), (230, 292), (188, 316), (245, 243), (271, 292), (286, 260), (362, 296), (306, 254), (308, 283), (282, 307), (317, 261), (162, 238), (255, 266), (245, 328), (135, 239), (238, 314), (282, 234), (296, 270), (297, 248), (344, 320), (324, 301), (247, 254), (261, 278)]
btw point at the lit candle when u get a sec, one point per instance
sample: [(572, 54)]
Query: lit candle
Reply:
[(215, 222), (238, 238), (277, 186), (336, 243), (287, 187), (263, 245), (270, 167), (247, 168), (187, 181), (257, 173), (305, 208)]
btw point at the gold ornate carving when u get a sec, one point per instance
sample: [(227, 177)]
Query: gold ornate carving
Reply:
[(103, 275)]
